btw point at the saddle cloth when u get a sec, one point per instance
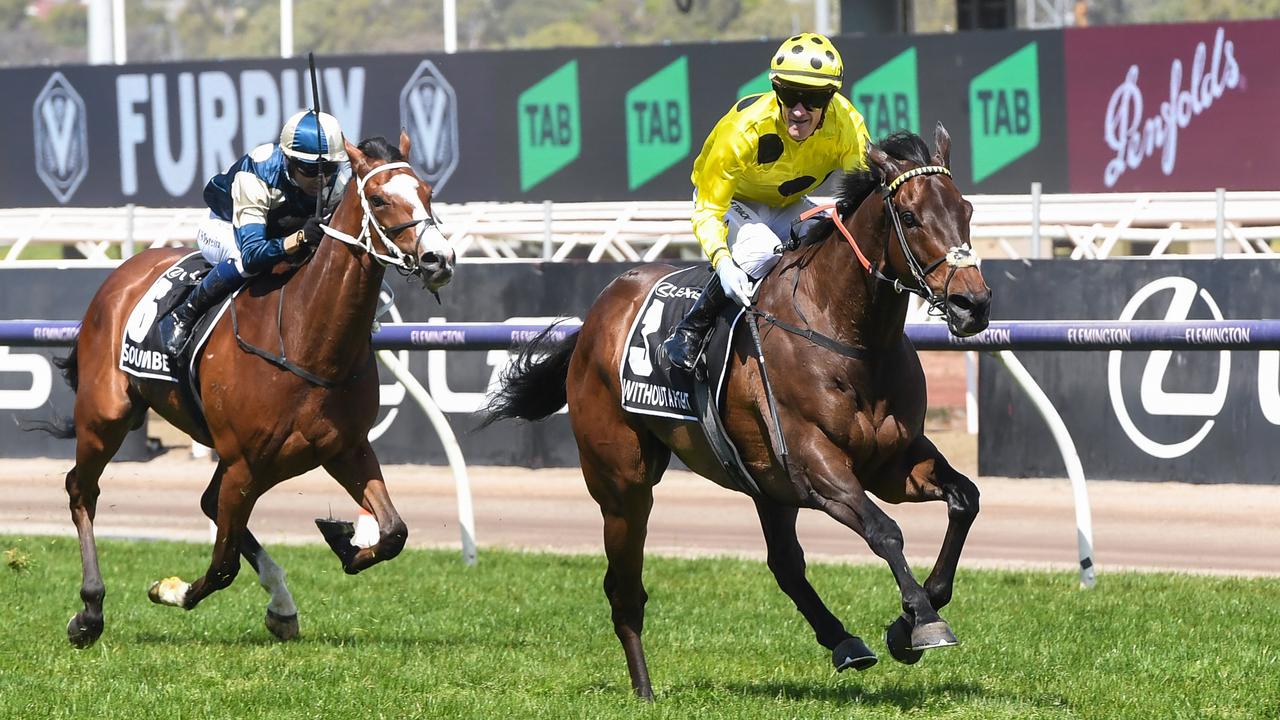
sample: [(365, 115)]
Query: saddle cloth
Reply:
[(649, 385), (141, 352)]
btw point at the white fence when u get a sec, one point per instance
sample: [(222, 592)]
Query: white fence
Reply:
[(1033, 225)]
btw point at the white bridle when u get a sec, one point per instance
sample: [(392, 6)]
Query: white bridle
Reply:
[(395, 256)]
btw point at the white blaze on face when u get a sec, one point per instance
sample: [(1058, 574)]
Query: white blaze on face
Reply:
[(405, 187)]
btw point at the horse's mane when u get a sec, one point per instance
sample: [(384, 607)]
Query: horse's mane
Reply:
[(856, 187), (378, 148)]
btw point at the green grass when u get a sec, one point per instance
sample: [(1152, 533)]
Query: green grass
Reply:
[(528, 636)]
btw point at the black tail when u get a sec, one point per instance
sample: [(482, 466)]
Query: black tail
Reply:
[(60, 427), (533, 387)]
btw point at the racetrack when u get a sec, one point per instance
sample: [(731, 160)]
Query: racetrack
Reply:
[(1170, 526)]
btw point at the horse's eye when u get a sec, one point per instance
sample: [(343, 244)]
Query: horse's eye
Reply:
[(377, 201), (909, 219)]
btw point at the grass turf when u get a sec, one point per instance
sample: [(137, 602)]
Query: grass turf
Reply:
[(529, 636)]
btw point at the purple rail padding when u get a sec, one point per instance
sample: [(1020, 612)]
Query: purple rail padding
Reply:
[(1009, 335)]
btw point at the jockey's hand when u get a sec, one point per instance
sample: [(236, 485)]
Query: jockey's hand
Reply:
[(735, 281), (312, 232)]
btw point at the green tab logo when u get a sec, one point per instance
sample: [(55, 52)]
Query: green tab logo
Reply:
[(657, 123), (755, 86), (888, 97), (550, 131), (1004, 112)]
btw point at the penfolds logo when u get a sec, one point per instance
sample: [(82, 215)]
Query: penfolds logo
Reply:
[(1135, 138)]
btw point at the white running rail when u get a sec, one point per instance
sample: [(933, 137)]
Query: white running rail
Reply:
[(1082, 225)]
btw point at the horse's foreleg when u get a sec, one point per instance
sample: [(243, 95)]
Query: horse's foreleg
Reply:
[(282, 613), (930, 477), (358, 471), (846, 501), (786, 561), (236, 497)]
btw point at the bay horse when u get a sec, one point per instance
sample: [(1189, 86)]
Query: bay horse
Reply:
[(850, 400), (268, 419)]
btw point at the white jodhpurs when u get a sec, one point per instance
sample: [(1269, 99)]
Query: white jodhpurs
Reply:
[(756, 230), (217, 241)]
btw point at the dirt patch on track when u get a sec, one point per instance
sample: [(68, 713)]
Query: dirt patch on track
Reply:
[(1171, 526)]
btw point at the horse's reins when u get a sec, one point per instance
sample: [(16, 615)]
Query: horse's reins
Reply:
[(956, 258)]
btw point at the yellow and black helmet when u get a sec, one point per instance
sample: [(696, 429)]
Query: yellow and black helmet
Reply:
[(807, 60)]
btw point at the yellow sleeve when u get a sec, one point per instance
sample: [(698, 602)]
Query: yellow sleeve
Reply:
[(855, 151), (715, 185)]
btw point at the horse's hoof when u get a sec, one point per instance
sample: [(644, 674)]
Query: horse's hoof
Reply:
[(932, 635), (898, 639), (82, 631), (284, 627), (169, 591), (853, 653), (338, 534)]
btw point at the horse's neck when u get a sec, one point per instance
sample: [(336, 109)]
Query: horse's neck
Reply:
[(841, 299), (337, 296)]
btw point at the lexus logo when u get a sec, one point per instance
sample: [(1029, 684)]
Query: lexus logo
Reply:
[(429, 110), (1155, 399), (61, 141)]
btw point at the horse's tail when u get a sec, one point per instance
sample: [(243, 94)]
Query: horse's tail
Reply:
[(60, 427), (533, 386)]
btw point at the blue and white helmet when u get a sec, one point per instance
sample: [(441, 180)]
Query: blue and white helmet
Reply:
[(303, 141)]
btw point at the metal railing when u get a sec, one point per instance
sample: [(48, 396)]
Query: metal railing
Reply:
[(1075, 225)]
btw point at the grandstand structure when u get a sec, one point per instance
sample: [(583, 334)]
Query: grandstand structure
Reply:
[(1083, 226)]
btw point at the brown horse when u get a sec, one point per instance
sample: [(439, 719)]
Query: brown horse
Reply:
[(850, 397), (268, 420)]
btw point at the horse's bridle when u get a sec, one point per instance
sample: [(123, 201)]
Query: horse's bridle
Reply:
[(959, 256), (406, 264)]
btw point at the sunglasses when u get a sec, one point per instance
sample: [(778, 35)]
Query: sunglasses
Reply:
[(810, 99), (310, 170)]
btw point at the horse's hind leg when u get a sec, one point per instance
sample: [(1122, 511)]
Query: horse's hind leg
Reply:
[(237, 495), (930, 477), (282, 613), (621, 470), (104, 414), (786, 561), (358, 471)]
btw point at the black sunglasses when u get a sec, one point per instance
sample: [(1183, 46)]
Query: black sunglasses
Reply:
[(810, 99), (311, 170)]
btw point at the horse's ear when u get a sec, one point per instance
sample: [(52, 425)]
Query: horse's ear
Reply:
[(404, 143), (881, 164), (359, 164), (942, 146)]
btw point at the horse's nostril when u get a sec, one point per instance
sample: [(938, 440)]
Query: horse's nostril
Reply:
[(430, 258), (961, 302)]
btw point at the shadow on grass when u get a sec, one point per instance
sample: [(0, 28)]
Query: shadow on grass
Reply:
[(903, 698)]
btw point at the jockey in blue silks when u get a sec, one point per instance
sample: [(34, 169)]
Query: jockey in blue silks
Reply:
[(261, 210)]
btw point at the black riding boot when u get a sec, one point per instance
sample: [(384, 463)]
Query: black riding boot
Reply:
[(685, 344), (175, 328)]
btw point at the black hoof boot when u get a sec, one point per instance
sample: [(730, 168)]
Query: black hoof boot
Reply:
[(338, 534), (853, 653), (898, 638)]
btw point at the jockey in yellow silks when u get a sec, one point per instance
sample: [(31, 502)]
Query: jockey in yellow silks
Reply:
[(754, 170)]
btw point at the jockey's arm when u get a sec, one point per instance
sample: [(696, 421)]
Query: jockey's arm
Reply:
[(715, 185), (251, 200), (854, 156)]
